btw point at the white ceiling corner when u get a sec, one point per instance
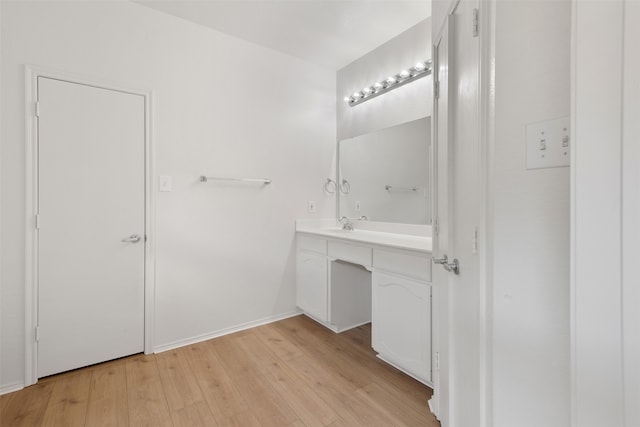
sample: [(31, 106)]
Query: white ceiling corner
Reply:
[(329, 33)]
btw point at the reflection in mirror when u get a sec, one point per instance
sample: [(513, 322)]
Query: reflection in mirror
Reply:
[(384, 175)]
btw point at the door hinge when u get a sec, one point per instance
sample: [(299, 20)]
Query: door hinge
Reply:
[(437, 361), (37, 333), (37, 222), (436, 227), (436, 89), (476, 23), (37, 109)]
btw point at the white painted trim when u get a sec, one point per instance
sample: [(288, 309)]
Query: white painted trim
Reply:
[(150, 230), (437, 315), (10, 388), (357, 325), (432, 405), (1, 203), (572, 216), (597, 198), (453, 5), (327, 325), (486, 121), (631, 214), (31, 191), (211, 335), (401, 369), (31, 260)]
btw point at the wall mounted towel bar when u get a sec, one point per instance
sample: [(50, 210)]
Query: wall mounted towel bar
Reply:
[(215, 178)]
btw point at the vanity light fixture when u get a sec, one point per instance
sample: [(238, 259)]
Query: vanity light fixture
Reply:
[(405, 76)]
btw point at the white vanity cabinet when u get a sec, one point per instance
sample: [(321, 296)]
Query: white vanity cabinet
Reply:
[(401, 313), (344, 283), (312, 276)]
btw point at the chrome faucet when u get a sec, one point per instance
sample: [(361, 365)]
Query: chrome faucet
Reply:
[(346, 223)]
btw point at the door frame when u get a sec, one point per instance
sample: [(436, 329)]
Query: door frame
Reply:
[(486, 131), (32, 73)]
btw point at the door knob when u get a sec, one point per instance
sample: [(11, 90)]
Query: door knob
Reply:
[(453, 266), (134, 238)]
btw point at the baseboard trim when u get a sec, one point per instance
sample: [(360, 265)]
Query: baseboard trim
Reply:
[(10, 388), (415, 377), (347, 328), (226, 331), (433, 407), (333, 327)]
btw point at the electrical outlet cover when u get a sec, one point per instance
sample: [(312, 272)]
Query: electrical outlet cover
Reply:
[(312, 206), (164, 183)]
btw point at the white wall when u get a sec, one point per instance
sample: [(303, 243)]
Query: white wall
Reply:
[(530, 219), (409, 102), (606, 210), (222, 106)]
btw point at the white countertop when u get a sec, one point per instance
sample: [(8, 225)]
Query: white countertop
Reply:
[(394, 240)]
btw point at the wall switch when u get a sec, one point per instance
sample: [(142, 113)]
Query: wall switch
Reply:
[(357, 206), (164, 183), (312, 206), (548, 144)]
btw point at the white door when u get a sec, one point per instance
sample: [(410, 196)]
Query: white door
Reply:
[(441, 242), (91, 197), (458, 190)]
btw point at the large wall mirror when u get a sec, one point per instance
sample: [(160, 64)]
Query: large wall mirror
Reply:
[(384, 175)]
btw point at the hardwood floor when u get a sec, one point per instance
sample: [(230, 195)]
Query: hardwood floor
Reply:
[(289, 373)]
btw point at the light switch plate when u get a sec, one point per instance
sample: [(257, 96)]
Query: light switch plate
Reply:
[(164, 183), (548, 144)]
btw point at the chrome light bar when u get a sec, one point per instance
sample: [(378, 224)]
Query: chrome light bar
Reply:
[(421, 69)]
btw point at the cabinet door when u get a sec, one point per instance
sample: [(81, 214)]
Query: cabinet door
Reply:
[(401, 324), (311, 284)]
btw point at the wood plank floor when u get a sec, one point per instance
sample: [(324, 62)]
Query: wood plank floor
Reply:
[(289, 373)]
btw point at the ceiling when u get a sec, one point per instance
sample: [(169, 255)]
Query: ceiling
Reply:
[(330, 33)]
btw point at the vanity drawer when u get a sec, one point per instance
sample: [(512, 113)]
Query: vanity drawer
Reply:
[(312, 244), (407, 263), (351, 253)]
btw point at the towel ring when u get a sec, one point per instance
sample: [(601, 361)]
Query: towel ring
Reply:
[(330, 186), (345, 187)]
